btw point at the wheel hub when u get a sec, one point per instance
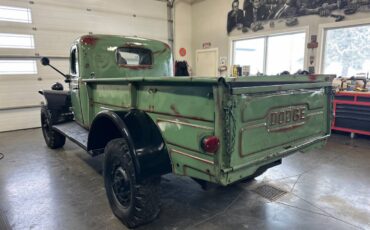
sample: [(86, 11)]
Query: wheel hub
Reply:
[(121, 186)]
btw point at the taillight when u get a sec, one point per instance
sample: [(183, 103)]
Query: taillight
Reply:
[(210, 144)]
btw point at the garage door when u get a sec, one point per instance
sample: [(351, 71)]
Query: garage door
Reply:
[(31, 29)]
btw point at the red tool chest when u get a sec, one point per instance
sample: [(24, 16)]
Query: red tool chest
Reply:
[(352, 112)]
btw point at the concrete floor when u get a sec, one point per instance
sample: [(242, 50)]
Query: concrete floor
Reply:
[(63, 189)]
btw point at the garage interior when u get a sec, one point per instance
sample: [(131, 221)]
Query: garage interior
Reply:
[(326, 188)]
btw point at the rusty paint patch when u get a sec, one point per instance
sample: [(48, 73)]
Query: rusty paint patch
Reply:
[(312, 77), (173, 108)]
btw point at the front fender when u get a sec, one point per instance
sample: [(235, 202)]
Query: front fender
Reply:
[(58, 103)]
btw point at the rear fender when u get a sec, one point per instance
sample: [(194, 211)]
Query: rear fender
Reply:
[(147, 147)]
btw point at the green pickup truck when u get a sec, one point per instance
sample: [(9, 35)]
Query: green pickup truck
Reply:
[(124, 102)]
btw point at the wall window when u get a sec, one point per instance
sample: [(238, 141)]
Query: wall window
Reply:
[(15, 14), (13, 67), (285, 52), (20, 41), (250, 52), (271, 54), (347, 51)]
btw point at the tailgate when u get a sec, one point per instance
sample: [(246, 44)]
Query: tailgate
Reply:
[(271, 119)]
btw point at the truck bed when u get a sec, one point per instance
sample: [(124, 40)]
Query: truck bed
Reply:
[(258, 120)]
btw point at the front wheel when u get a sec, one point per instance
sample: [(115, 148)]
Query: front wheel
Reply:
[(53, 139), (134, 203)]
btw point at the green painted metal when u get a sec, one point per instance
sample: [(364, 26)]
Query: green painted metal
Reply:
[(97, 60), (257, 119)]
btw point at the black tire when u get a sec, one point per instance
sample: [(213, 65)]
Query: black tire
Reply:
[(134, 203), (53, 139)]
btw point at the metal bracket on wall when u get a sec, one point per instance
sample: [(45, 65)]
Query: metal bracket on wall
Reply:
[(170, 16)]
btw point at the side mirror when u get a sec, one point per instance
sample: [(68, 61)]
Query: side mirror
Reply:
[(45, 61)]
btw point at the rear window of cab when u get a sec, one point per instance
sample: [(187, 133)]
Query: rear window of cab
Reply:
[(134, 56)]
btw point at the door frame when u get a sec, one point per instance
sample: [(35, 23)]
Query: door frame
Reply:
[(75, 83), (205, 51)]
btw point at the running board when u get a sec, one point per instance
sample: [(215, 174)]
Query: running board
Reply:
[(74, 132), (77, 134)]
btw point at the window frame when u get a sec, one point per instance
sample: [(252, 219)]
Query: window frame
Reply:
[(31, 36), (34, 62), (133, 66), (322, 37), (26, 9), (74, 74), (266, 35)]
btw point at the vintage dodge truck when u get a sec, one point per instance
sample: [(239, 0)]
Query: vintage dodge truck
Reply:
[(124, 102)]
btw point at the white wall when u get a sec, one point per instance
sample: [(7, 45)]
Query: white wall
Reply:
[(209, 19), (55, 25)]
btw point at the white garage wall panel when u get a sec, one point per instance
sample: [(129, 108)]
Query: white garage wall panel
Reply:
[(55, 25)]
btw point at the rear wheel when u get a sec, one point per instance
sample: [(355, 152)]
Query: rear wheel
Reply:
[(53, 139), (134, 203)]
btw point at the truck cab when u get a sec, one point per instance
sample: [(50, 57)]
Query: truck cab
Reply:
[(102, 56)]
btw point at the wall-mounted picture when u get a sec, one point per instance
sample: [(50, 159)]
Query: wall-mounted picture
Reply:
[(249, 14)]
